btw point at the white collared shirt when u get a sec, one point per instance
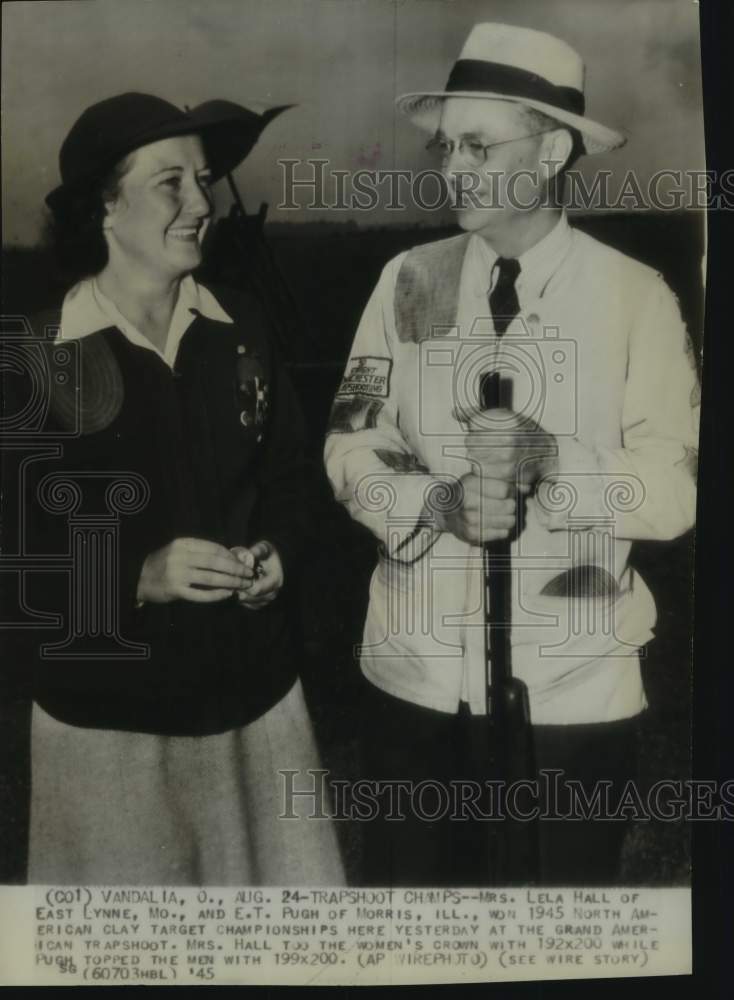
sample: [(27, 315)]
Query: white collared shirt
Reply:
[(87, 310), (537, 265)]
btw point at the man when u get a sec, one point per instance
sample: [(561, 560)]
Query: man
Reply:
[(597, 448)]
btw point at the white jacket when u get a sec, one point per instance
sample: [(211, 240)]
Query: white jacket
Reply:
[(599, 357)]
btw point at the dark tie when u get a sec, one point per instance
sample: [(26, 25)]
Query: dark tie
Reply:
[(503, 298)]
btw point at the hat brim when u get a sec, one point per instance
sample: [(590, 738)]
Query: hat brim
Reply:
[(424, 110), (228, 130)]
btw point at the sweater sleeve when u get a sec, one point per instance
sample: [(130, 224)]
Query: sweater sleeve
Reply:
[(288, 484)]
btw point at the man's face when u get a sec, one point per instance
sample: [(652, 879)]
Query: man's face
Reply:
[(490, 195)]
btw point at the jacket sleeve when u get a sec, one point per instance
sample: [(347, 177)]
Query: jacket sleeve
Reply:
[(648, 486), (371, 466)]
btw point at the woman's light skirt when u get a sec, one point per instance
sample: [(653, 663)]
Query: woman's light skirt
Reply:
[(119, 808)]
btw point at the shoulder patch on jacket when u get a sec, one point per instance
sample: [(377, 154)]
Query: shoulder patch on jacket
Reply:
[(366, 376), (427, 288), (348, 416)]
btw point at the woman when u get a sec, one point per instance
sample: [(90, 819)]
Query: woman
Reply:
[(158, 735)]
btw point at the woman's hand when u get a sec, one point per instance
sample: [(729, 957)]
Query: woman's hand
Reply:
[(191, 569), (264, 574)]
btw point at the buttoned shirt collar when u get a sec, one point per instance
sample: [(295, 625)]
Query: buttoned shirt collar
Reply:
[(537, 265), (87, 310)]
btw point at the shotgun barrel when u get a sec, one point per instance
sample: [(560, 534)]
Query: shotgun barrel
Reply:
[(514, 853)]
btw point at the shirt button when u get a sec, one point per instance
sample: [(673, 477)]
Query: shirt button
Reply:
[(245, 418), (259, 438), (241, 349)]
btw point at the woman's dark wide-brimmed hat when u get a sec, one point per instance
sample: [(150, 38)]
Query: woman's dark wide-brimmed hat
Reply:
[(506, 63), (112, 128)]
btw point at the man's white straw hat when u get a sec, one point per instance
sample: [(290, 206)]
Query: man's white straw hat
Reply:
[(504, 62)]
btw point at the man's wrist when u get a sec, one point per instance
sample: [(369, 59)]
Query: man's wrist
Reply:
[(549, 464), (443, 499), (545, 465)]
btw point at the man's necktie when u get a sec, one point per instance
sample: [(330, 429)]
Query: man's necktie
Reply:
[(503, 297)]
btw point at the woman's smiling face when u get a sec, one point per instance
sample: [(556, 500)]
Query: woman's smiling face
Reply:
[(159, 217)]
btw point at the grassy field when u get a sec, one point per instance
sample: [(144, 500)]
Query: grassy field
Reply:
[(318, 279)]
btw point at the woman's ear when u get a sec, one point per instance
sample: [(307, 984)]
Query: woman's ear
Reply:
[(108, 209)]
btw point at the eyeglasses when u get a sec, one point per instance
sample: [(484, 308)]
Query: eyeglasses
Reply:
[(474, 153)]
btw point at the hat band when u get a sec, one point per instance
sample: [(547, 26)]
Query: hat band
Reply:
[(498, 78)]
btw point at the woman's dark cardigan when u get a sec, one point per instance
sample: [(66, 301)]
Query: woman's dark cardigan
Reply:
[(216, 461)]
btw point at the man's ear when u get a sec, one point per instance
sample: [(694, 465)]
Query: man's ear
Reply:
[(558, 145)]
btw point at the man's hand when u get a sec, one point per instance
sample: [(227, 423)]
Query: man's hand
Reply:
[(190, 569), (510, 448), (510, 454), (264, 574), (483, 510)]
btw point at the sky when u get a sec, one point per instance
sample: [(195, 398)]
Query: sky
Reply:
[(342, 62)]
